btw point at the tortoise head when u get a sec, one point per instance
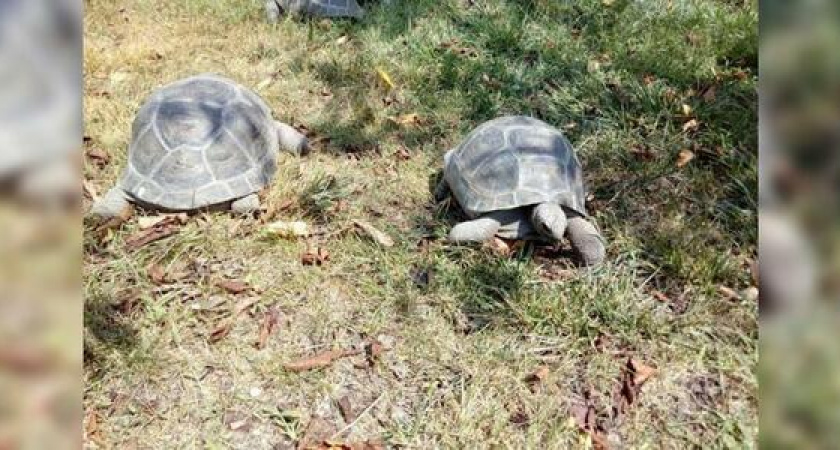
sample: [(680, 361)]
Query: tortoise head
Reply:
[(549, 220)]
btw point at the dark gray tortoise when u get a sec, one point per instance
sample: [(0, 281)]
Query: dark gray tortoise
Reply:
[(199, 142), (323, 8), (519, 178)]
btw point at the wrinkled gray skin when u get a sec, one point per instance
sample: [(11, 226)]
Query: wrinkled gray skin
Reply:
[(40, 104), (518, 178), (323, 8), (203, 141)]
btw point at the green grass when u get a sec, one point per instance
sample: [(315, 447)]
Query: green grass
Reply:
[(463, 326)]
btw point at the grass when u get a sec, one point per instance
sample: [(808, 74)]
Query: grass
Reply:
[(463, 326)]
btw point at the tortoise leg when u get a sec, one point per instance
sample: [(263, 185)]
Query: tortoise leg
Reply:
[(586, 240), (478, 230), (272, 11), (291, 139), (246, 205), (113, 204)]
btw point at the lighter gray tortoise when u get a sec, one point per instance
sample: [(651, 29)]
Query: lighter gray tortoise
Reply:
[(519, 178), (323, 8), (199, 142)]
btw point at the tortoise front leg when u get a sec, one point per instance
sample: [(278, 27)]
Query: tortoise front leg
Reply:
[(246, 205), (586, 240)]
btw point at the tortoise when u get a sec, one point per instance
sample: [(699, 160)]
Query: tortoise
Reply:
[(324, 8), (199, 142), (40, 103), (519, 178)]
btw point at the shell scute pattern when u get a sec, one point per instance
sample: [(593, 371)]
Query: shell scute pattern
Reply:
[(200, 141), (514, 161)]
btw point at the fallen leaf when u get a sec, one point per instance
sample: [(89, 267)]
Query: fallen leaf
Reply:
[(403, 154), (685, 156), (728, 293), (750, 294), (412, 119), (686, 110), (633, 376), (316, 433), (378, 236), (498, 246), (691, 125), (156, 273), (661, 297), (648, 79), (147, 222), (318, 361), (345, 408), (710, 94), (607, 3), (316, 258), (641, 372), (161, 229), (342, 39), (385, 78), (536, 378), (643, 152), (269, 324), (520, 418), (234, 287), (98, 157), (224, 327), (114, 222)]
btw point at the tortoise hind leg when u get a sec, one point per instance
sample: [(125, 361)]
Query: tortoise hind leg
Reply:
[(246, 205), (113, 204)]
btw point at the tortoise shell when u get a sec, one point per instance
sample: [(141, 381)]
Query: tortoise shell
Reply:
[(511, 162), (324, 8), (200, 141)]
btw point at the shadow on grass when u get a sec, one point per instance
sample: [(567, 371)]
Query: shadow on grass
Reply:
[(108, 328)]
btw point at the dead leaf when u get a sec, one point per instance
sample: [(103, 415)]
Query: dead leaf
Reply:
[(687, 110), (89, 190), (498, 246), (316, 258), (224, 327), (648, 79), (520, 418), (378, 236), (691, 125), (633, 376), (345, 408), (536, 378), (156, 273), (685, 156), (160, 230), (412, 120), (342, 39), (234, 287), (318, 361), (710, 94), (728, 293), (269, 324), (586, 417), (403, 154), (661, 297), (643, 152), (98, 157), (147, 222), (114, 222)]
